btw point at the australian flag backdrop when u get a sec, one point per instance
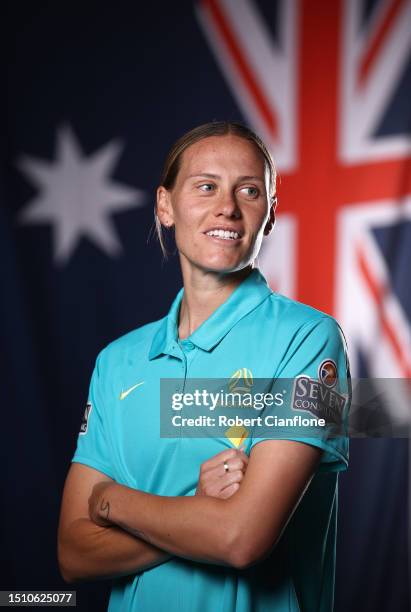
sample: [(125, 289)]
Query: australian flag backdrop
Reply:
[(96, 94)]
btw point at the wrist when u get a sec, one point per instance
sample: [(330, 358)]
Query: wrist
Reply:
[(123, 504)]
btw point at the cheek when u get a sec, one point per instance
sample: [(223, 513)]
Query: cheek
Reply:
[(258, 219), (187, 217), (187, 223)]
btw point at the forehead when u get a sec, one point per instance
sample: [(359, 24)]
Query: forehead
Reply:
[(217, 153)]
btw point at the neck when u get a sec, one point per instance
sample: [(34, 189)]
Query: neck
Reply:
[(204, 292)]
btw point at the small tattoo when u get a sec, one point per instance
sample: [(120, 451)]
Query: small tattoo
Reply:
[(105, 508)]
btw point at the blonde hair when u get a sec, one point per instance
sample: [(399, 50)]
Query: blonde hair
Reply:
[(214, 128)]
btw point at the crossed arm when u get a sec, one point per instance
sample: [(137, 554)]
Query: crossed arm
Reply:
[(121, 530)]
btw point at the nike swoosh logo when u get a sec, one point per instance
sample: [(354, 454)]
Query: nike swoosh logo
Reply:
[(124, 394)]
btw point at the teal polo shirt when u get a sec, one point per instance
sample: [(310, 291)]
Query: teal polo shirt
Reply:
[(268, 336)]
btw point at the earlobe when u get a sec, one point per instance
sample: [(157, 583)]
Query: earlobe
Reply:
[(164, 209)]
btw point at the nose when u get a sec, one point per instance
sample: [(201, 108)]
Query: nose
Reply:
[(227, 206)]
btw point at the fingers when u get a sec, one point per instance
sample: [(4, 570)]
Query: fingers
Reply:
[(229, 456), (214, 487), (229, 491), (238, 463), (231, 477), (214, 478)]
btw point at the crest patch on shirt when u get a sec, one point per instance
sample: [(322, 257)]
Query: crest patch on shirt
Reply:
[(242, 380), (84, 422)]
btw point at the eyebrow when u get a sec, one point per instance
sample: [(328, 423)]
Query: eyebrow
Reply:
[(217, 176)]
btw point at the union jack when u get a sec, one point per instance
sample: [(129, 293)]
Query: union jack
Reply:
[(317, 93)]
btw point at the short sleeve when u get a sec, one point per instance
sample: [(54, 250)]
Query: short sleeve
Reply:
[(92, 448), (317, 370)]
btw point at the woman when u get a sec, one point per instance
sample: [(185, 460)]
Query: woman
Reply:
[(198, 524)]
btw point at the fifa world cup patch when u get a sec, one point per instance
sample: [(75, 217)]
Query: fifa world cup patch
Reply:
[(84, 421)]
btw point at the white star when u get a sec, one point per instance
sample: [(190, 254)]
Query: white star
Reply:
[(77, 195)]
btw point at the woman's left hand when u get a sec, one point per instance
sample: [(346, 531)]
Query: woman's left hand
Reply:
[(99, 505)]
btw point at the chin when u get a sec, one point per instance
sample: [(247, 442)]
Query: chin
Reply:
[(222, 265), (217, 262)]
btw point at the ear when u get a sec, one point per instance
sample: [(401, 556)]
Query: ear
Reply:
[(271, 219), (164, 208)]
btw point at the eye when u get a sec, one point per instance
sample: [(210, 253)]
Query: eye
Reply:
[(250, 192), (207, 187)]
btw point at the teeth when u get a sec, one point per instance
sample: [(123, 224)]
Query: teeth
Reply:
[(225, 234)]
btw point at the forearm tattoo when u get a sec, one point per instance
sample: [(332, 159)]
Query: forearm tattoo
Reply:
[(105, 509), (105, 513)]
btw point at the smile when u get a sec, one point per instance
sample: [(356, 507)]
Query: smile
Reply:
[(223, 234)]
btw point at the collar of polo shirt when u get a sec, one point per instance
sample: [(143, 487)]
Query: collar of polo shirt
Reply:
[(247, 296)]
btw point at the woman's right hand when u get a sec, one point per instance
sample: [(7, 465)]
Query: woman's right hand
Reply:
[(215, 480)]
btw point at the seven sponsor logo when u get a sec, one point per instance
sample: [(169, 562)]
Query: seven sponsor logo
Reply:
[(319, 396)]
